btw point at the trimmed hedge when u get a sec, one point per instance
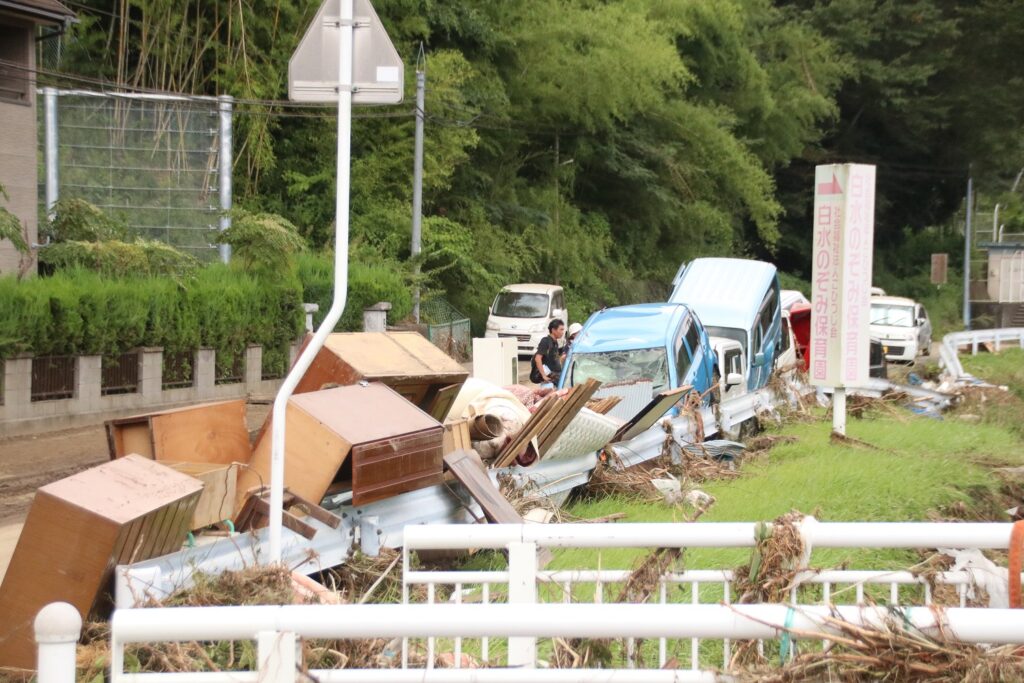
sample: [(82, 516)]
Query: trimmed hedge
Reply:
[(81, 313), (78, 312)]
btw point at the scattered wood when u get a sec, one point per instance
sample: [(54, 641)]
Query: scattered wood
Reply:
[(456, 436), (521, 441), (209, 433), (471, 473), (80, 528), (255, 513), (604, 405), (442, 402)]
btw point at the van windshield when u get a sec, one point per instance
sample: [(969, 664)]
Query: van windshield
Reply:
[(732, 333), (521, 305), (896, 316), (621, 366)]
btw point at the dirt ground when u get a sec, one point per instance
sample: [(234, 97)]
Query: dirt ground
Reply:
[(28, 462)]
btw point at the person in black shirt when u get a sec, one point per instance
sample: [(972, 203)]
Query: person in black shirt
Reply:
[(547, 366)]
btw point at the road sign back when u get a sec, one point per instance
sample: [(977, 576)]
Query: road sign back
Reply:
[(378, 71)]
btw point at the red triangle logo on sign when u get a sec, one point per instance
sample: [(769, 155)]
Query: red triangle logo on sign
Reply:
[(830, 188)]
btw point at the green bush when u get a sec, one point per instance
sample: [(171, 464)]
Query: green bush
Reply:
[(368, 283), (80, 312), (115, 258), (262, 242), (76, 220)]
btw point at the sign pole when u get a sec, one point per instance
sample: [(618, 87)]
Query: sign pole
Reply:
[(839, 411), (345, 48)]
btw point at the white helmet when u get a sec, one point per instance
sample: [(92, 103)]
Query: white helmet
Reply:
[(575, 328)]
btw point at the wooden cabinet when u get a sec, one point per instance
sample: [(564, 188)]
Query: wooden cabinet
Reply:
[(78, 529), (365, 434)]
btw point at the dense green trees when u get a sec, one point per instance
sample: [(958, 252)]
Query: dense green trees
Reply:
[(599, 143)]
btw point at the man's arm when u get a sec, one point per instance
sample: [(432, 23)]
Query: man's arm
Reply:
[(538, 362)]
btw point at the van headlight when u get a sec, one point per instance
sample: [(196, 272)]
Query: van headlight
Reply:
[(540, 327), (491, 325)]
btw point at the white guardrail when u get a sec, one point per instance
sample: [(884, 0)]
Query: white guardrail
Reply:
[(949, 352), (515, 609)]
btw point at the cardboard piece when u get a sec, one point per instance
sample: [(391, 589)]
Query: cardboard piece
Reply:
[(78, 529), (394, 447), (205, 433)]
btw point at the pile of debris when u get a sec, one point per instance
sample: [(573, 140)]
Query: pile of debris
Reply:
[(376, 415)]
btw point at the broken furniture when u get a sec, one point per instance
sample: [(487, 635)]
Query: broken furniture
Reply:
[(469, 470), (81, 527), (365, 435), (255, 513), (405, 361), (217, 501), (546, 424), (651, 413), (209, 433), (456, 436)]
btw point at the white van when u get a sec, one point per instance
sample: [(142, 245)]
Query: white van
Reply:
[(523, 312), (903, 327)]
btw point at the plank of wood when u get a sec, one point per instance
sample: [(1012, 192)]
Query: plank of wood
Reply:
[(211, 432), (442, 402), (650, 414), (534, 425), (456, 436), (469, 470), (574, 403), (217, 501)]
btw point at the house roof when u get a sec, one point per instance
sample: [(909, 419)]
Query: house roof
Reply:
[(43, 11)]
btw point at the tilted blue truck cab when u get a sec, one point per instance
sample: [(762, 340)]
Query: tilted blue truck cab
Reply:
[(737, 299), (665, 343)]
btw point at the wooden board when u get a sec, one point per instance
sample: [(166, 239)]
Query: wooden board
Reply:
[(538, 421), (456, 436), (209, 432), (217, 501), (469, 470), (651, 413), (442, 402), (573, 403), (77, 530)]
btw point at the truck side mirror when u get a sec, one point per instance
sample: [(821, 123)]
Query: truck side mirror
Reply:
[(733, 379), (758, 360)]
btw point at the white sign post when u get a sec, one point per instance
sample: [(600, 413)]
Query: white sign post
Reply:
[(345, 57), (844, 227)]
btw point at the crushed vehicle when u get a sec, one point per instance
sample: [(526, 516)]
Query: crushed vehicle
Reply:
[(737, 299), (664, 344), (523, 311), (902, 326), (799, 317)]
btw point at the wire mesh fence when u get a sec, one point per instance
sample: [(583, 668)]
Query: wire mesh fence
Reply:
[(151, 161), (447, 328)]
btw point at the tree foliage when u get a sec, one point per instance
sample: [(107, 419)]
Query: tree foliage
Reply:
[(262, 242)]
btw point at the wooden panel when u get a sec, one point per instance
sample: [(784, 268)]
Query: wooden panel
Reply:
[(313, 455), (651, 413), (209, 432), (442, 402), (469, 470), (212, 432), (76, 531), (219, 491), (397, 465), (456, 436)]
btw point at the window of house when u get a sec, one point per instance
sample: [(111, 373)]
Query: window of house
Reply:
[(15, 43)]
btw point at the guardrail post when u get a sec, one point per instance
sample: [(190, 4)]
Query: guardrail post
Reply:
[(522, 589), (276, 653), (57, 627)]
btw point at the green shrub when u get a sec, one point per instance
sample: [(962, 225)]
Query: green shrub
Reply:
[(115, 258), (76, 220), (262, 242), (367, 284)]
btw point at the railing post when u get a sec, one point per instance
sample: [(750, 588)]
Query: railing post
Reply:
[(57, 627), (276, 656), (522, 589)]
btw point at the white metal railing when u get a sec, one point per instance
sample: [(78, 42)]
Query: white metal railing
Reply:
[(952, 343)]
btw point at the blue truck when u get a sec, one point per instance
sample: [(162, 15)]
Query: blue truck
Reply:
[(663, 342), (739, 300)]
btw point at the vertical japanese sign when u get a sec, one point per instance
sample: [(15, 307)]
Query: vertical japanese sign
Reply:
[(844, 232)]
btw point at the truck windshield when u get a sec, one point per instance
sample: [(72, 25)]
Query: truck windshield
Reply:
[(732, 333), (896, 316), (622, 366), (521, 305)]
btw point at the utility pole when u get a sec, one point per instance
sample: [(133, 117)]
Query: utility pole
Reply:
[(558, 201), (967, 253), (417, 181)]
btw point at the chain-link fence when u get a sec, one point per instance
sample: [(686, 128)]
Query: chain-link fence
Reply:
[(153, 161), (447, 328)]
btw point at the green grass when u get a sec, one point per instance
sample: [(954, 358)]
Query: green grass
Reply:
[(1005, 367), (919, 466)]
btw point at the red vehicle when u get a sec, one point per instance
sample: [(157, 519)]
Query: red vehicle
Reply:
[(800, 322)]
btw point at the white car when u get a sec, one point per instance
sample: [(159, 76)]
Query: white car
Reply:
[(903, 327), (523, 311)]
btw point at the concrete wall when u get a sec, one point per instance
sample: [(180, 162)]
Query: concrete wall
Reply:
[(18, 161), (20, 415)]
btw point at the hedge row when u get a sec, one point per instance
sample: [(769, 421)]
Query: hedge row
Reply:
[(81, 313)]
